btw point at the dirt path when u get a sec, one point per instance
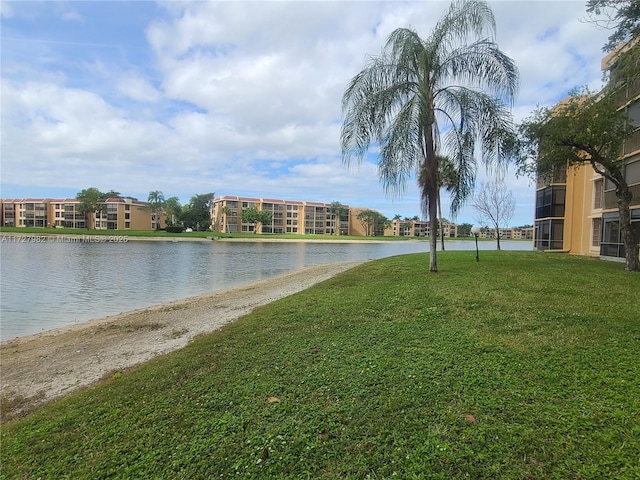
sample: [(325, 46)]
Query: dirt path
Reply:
[(47, 365)]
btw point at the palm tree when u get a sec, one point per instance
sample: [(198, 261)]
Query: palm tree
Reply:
[(156, 203), (456, 81), (225, 212)]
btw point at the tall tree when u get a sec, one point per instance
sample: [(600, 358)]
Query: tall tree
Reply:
[(156, 204), (174, 210), (495, 206), (456, 81), (255, 217), (585, 128), (373, 222), (337, 210), (112, 194), (90, 203), (197, 213), (464, 230)]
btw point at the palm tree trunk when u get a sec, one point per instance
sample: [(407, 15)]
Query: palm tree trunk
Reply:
[(441, 223), (433, 233), (432, 187)]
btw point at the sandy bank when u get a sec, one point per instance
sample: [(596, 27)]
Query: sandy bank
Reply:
[(51, 364)]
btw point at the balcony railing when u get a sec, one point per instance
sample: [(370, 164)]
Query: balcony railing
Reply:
[(632, 144), (626, 93)]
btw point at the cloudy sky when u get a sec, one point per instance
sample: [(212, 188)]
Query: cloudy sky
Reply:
[(237, 98)]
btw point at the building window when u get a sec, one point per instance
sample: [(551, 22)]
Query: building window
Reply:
[(611, 244), (549, 234), (127, 216), (597, 193), (632, 172), (596, 232), (550, 202)]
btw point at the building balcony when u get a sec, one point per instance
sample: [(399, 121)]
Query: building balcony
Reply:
[(632, 144)]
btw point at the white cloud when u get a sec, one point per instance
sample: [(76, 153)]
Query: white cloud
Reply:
[(71, 16), (241, 97), (6, 10), (137, 88)]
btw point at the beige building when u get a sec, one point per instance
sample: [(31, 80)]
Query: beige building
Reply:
[(576, 211), (509, 233), (287, 216), (308, 218), (419, 228), (113, 214)]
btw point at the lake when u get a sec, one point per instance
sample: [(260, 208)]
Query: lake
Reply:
[(54, 284)]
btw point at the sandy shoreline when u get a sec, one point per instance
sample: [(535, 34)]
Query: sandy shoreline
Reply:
[(51, 364)]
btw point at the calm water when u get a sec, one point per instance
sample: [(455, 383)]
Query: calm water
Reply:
[(49, 285)]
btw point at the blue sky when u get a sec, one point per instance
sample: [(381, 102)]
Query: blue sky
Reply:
[(236, 98)]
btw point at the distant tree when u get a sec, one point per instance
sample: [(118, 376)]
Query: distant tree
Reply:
[(586, 128), (112, 194), (156, 204), (337, 210), (397, 216), (373, 222), (495, 206), (90, 203), (174, 210), (197, 213), (255, 217), (464, 230)]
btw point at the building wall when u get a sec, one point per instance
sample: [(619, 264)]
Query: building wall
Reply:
[(119, 213), (419, 228), (589, 217), (288, 216), (579, 210)]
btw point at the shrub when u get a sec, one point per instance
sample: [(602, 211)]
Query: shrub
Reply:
[(174, 229)]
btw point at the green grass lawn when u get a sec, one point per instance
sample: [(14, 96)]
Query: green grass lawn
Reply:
[(522, 366)]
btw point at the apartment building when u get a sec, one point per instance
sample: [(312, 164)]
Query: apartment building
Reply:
[(419, 228), (576, 209), (26, 212), (519, 233), (287, 216), (508, 233), (112, 214)]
